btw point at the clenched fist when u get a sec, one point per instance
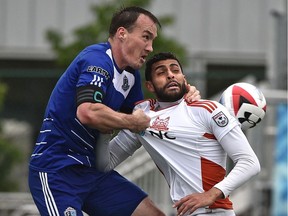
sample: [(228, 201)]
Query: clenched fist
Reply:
[(140, 121)]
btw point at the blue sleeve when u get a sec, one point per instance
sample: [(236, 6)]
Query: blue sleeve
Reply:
[(95, 69)]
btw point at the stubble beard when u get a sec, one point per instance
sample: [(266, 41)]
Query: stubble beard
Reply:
[(165, 96)]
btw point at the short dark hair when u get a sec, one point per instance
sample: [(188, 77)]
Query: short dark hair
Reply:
[(156, 58), (126, 17)]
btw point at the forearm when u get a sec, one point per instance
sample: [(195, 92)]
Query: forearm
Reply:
[(103, 118)]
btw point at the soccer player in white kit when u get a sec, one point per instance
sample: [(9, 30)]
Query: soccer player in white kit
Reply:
[(189, 143)]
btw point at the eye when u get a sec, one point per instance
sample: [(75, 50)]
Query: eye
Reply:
[(146, 37), (160, 72), (175, 69)]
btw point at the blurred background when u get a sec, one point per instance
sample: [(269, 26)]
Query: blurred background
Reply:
[(220, 42)]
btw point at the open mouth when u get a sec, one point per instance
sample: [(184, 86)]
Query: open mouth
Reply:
[(143, 58), (172, 85)]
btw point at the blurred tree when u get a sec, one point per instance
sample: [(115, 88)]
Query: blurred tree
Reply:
[(9, 155), (97, 31)]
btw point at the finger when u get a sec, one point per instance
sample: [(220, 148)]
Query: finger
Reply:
[(190, 91), (190, 208), (193, 208), (188, 87), (197, 95), (183, 210), (178, 203)]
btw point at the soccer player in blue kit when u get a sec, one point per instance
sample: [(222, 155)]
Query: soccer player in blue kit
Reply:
[(96, 94)]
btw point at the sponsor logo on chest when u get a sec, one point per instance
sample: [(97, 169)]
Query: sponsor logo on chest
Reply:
[(160, 127)]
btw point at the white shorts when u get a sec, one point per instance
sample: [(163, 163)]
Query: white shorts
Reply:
[(216, 212)]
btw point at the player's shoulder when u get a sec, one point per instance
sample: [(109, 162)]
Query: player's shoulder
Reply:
[(98, 47), (101, 49), (205, 105), (97, 52), (146, 103), (96, 58)]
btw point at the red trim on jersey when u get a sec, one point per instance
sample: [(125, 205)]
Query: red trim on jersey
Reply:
[(206, 104), (209, 136), (152, 103), (213, 173), (138, 102)]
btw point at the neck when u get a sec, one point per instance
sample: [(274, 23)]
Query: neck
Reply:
[(163, 105), (116, 53)]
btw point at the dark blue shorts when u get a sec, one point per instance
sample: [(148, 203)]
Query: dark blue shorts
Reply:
[(74, 189)]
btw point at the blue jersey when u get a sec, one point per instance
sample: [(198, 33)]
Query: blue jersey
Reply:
[(63, 140)]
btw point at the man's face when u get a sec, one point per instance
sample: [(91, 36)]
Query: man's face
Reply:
[(138, 43), (167, 81)]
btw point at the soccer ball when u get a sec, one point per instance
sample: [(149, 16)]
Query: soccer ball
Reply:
[(245, 102)]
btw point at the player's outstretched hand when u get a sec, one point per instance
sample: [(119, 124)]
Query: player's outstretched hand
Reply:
[(192, 94), (192, 202), (141, 121)]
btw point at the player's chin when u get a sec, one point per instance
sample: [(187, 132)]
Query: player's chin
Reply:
[(174, 95), (138, 65)]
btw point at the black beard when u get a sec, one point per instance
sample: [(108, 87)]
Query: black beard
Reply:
[(170, 97)]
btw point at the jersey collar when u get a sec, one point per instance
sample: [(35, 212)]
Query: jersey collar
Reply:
[(163, 105)]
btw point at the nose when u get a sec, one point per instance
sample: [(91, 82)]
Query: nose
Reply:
[(170, 75), (149, 47)]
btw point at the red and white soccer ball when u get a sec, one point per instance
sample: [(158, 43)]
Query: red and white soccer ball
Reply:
[(245, 102)]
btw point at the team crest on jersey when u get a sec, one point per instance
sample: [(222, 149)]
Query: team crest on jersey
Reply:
[(160, 124), (220, 119), (125, 85), (70, 212)]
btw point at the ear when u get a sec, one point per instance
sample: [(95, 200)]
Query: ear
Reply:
[(122, 33), (150, 87)]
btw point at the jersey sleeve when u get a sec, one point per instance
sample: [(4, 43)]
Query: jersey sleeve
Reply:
[(121, 147), (229, 135), (95, 69), (213, 117), (143, 105), (246, 163), (228, 132), (221, 122)]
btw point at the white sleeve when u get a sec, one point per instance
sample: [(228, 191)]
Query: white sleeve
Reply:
[(246, 163), (102, 151), (121, 147)]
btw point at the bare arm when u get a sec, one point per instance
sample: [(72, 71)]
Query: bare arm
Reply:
[(104, 119)]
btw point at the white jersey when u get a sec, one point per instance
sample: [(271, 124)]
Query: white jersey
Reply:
[(184, 140)]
